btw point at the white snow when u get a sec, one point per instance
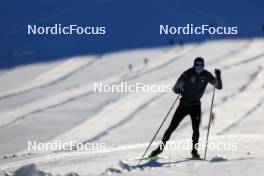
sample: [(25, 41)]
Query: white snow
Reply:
[(58, 103)]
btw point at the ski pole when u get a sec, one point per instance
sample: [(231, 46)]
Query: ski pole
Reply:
[(209, 123), (159, 128)]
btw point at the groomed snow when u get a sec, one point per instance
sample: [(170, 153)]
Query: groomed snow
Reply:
[(63, 107)]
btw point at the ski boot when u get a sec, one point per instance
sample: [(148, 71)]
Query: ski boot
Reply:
[(195, 154), (155, 152), (158, 150)]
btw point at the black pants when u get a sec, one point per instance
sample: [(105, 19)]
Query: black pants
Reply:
[(181, 112)]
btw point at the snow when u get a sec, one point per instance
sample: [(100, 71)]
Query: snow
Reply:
[(54, 99), (126, 122), (59, 72), (46, 88)]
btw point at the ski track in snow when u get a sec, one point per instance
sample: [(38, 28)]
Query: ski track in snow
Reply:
[(138, 109), (133, 77), (13, 116), (242, 88), (139, 74), (174, 59), (233, 95), (124, 167), (62, 72), (183, 126), (128, 118), (246, 61), (253, 77), (232, 53), (144, 105), (246, 115)]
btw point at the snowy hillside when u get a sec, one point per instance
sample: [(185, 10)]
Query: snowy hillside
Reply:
[(47, 93), (42, 110)]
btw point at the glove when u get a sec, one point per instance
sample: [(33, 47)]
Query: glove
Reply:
[(218, 79), (178, 91), (217, 72)]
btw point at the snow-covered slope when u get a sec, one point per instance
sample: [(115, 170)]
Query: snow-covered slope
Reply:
[(69, 110), (110, 161)]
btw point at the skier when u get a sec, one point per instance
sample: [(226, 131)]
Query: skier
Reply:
[(191, 85)]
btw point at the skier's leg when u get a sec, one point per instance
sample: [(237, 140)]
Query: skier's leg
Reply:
[(180, 113), (196, 119)]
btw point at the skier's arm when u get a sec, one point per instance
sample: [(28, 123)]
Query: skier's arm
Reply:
[(178, 87), (216, 82)]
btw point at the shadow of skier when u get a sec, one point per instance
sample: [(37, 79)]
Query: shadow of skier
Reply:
[(155, 163)]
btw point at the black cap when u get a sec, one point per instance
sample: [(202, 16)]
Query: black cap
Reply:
[(198, 61)]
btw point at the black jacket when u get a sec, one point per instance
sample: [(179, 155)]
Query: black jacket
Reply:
[(193, 85)]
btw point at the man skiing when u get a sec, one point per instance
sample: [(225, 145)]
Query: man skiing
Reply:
[(191, 85)]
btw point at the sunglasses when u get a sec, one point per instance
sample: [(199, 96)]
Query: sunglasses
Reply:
[(201, 64)]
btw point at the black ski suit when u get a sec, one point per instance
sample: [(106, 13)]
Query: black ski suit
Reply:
[(191, 86)]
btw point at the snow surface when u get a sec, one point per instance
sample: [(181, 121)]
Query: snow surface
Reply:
[(62, 106)]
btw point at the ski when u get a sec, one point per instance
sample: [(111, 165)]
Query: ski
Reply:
[(150, 158), (198, 159)]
